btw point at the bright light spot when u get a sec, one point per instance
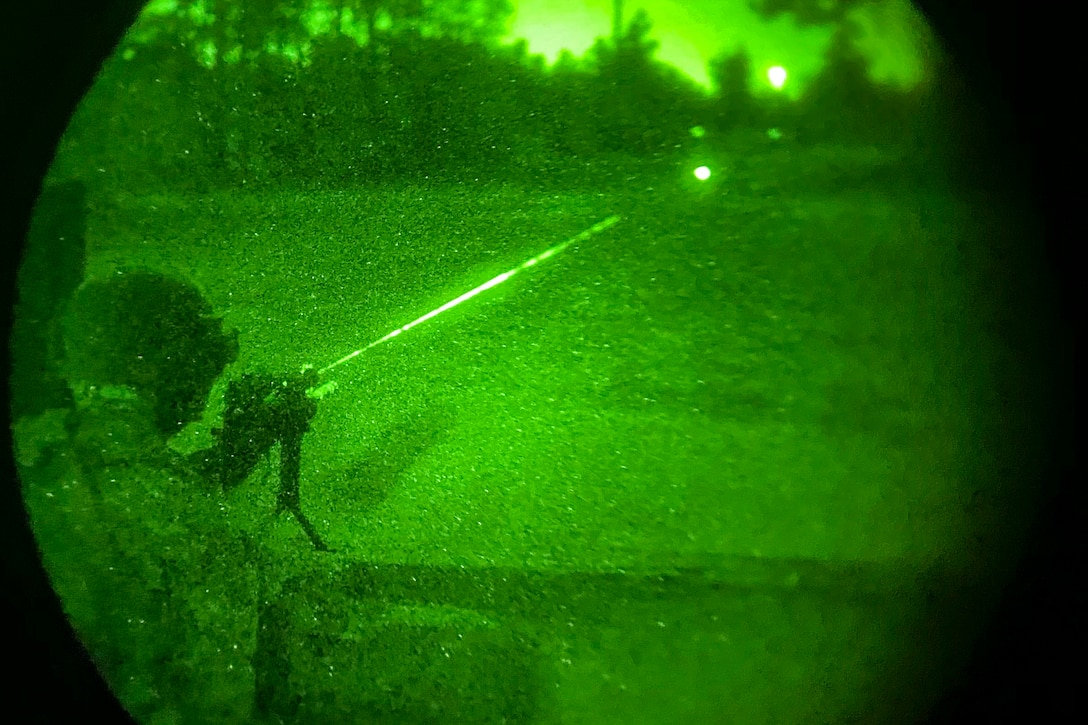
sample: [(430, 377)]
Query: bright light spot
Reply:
[(774, 134), (777, 76), (697, 131), (702, 173)]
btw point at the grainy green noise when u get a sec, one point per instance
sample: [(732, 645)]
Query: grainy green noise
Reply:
[(531, 262)]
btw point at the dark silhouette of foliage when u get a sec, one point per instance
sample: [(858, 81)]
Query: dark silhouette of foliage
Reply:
[(433, 96), (640, 105), (470, 21), (734, 106), (807, 12), (382, 17), (843, 105), (212, 30)]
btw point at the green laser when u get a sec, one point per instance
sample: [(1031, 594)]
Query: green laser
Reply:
[(532, 261)]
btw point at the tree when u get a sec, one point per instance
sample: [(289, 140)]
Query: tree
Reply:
[(730, 75), (843, 105), (641, 106), (383, 16), (617, 20), (470, 21), (808, 12), (465, 20)]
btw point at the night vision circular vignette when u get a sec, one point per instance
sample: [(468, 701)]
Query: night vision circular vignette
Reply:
[(570, 361)]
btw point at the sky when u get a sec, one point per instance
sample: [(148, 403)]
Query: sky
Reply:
[(691, 32)]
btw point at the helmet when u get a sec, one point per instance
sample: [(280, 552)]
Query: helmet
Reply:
[(151, 333)]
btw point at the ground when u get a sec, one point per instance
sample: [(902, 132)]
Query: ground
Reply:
[(715, 463)]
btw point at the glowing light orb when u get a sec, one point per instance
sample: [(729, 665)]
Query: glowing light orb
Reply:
[(702, 173), (777, 76)]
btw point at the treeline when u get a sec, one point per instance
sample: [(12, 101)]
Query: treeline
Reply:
[(421, 105)]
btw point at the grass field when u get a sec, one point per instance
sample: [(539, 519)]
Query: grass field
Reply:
[(728, 374), (720, 442)]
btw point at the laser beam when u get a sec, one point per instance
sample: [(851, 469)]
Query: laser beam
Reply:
[(531, 262)]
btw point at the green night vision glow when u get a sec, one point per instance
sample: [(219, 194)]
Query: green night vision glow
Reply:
[(495, 281)]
